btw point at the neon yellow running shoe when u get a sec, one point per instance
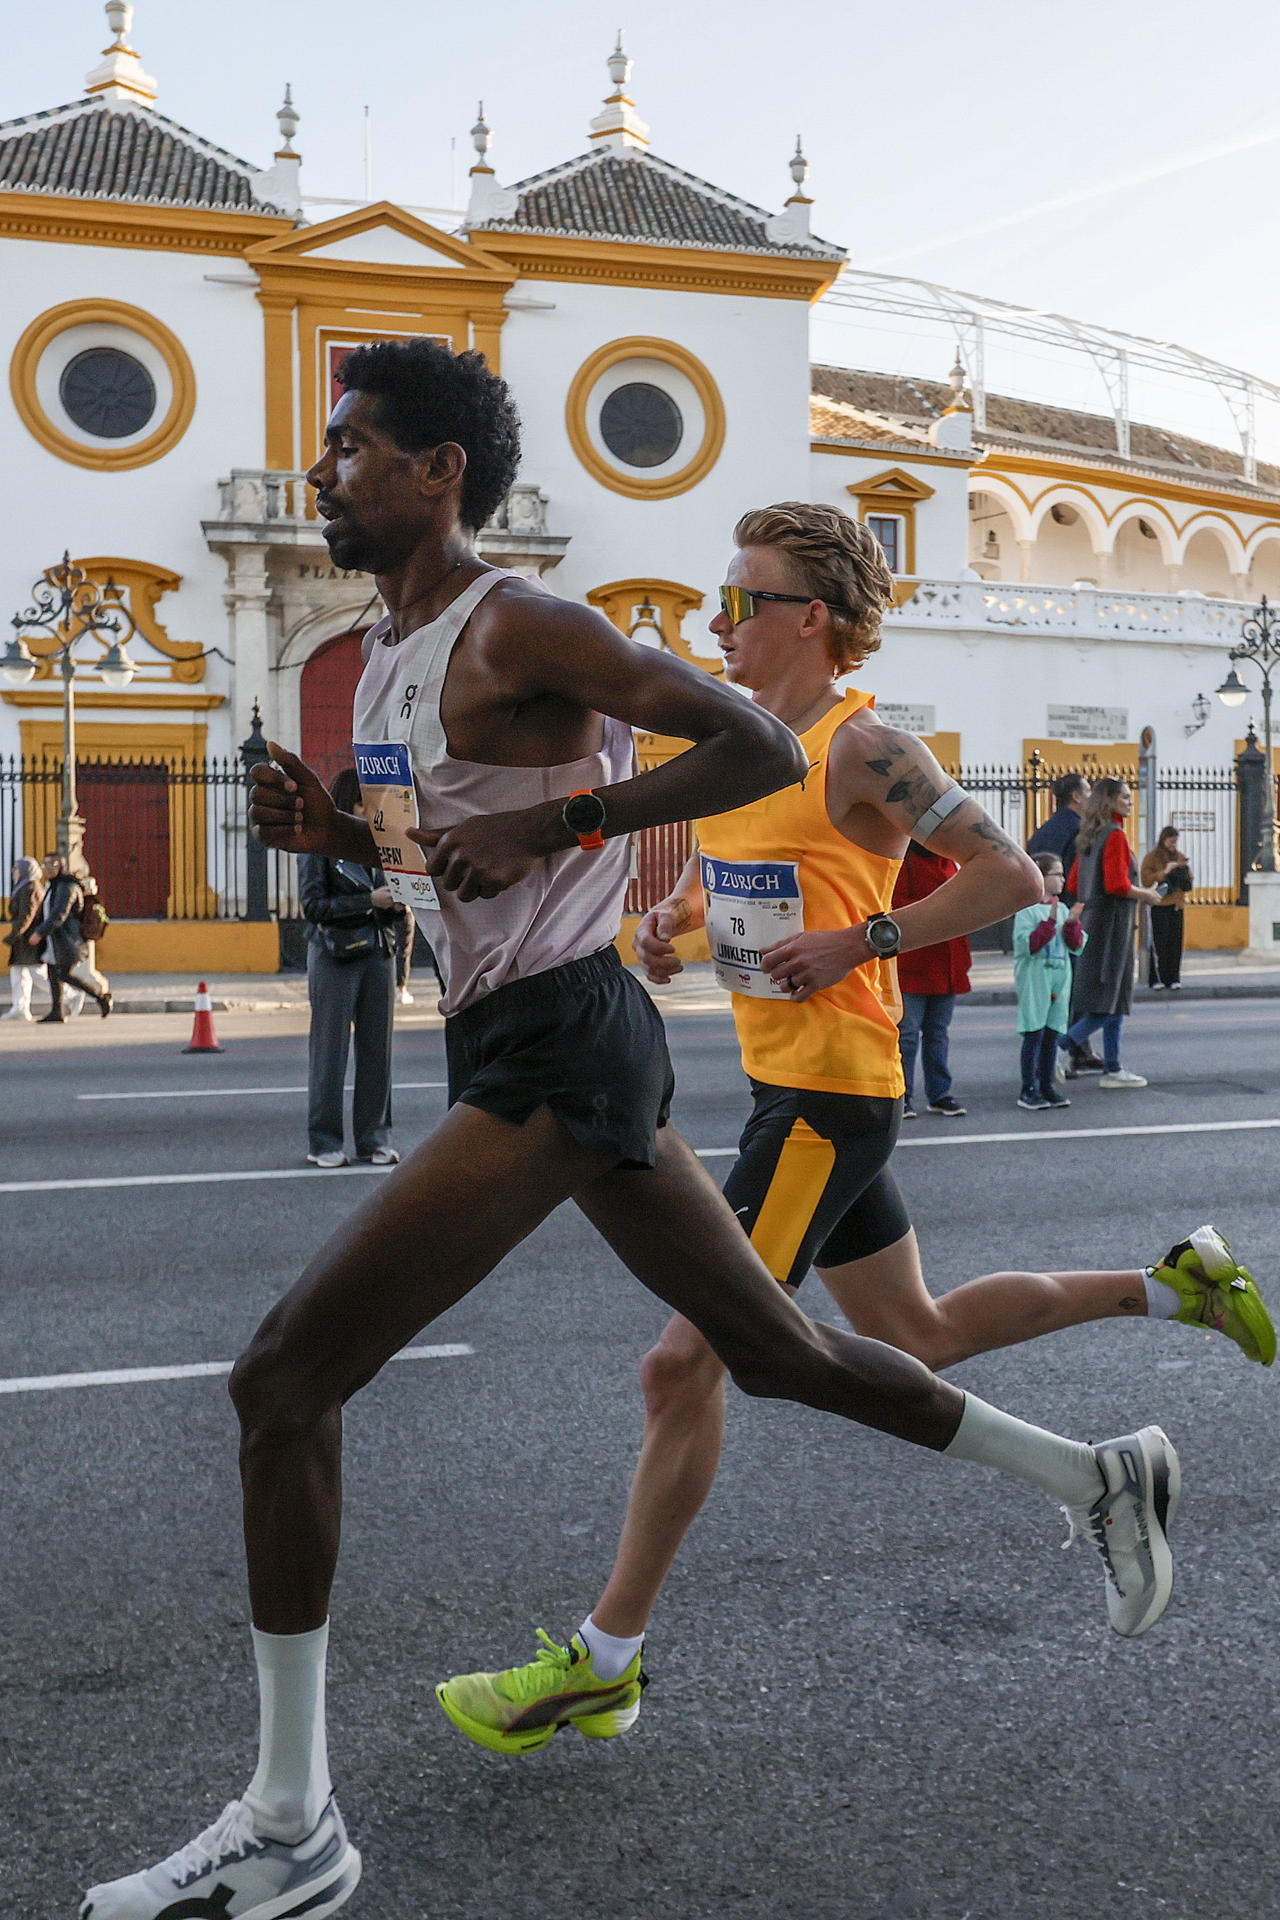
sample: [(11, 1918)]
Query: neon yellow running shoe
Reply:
[(521, 1708), (1216, 1292)]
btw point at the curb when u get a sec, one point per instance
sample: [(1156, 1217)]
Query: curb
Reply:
[(1242, 990)]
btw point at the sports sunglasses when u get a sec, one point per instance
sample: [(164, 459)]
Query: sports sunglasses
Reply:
[(739, 603)]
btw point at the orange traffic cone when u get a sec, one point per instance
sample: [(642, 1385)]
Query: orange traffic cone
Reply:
[(203, 1037)]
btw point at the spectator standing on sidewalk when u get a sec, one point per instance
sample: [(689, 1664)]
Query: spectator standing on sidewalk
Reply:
[(26, 893), (61, 941), (1165, 868), (1058, 834), (351, 983), (1104, 879), (1044, 938), (929, 978)]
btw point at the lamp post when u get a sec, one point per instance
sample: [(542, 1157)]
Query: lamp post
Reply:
[(68, 604), (1258, 646)]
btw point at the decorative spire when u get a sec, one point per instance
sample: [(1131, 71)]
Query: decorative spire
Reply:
[(281, 184), (120, 76), (287, 121), (953, 427), (961, 400), (489, 200), (791, 226), (619, 127)]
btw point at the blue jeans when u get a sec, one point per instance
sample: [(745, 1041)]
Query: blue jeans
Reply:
[(926, 1020), (1088, 1024)]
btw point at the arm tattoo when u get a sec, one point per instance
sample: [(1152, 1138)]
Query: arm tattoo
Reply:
[(986, 829), (884, 766), (913, 792)]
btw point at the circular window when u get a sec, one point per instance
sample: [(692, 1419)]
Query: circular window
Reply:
[(641, 425), (108, 393)]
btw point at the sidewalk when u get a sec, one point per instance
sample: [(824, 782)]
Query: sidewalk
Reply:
[(1205, 976)]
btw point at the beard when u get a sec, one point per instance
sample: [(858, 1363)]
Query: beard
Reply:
[(352, 548)]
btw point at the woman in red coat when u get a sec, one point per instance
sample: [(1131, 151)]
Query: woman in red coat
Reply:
[(929, 979)]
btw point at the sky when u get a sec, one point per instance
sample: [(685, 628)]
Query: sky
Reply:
[(1119, 163)]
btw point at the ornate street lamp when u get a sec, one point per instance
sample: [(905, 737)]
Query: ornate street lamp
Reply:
[(67, 603), (1258, 647)]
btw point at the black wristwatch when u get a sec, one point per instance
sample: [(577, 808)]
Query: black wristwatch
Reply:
[(584, 815), (883, 935)]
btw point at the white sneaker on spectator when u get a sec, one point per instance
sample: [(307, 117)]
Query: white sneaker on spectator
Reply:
[(405, 997), (1121, 1078), (328, 1160)]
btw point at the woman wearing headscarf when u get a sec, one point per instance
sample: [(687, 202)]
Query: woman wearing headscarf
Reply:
[(62, 944), (1165, 868), (1104, 878), (26, 893)]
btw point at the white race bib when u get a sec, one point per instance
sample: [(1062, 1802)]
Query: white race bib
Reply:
[(391, 808), (751, 905)]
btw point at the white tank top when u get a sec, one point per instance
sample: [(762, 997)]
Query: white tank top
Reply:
[(570, 904)]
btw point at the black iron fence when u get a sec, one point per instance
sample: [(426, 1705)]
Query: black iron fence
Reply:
[(170, 840)]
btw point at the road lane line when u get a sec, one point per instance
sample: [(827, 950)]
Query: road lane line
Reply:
[(1049, 1133), (229, 1093), (703, 1153), (135, 1376)]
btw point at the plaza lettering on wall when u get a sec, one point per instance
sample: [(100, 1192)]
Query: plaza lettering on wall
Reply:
[(1088, 723), (308, 571)]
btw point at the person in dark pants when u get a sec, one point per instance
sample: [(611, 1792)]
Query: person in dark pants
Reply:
[(1165, 868), (1104, 878), (351, 983), (929, 979), (60, 940)]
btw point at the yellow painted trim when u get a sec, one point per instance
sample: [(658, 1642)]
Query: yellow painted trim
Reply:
[(198, 948), (1102, 756), (131, 741), (894, 493), (300, 244), (545, 256), (79, 313), (1120, 479), (51, 696), (1209, 929), (110, 223), (277, 361), (645, 347), (926, 455), (670, 601)]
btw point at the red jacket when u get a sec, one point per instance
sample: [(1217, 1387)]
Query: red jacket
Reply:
[(940, 969)]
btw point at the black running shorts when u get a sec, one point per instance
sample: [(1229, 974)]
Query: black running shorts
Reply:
[(584, 1040), (811, 1183)]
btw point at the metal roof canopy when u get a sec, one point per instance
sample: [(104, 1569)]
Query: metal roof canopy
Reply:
[(972, 316)]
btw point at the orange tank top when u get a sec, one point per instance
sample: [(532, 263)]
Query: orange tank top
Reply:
[(779, 867)]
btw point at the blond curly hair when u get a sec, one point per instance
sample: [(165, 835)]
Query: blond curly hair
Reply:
[(835, 558)]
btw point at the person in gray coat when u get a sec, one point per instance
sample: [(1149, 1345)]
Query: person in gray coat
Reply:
[(26, 895), (351, 984), (61, 942), (1104, 879)]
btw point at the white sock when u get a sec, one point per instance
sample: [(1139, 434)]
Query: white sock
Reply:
[(1065, 1468), (610, 1656), (1163, 1301), (288, 1792)]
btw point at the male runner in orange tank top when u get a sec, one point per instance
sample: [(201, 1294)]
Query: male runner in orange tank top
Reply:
[(815, 1012)]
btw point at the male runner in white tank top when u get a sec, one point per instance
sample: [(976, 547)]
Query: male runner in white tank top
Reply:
[(559, 1078), (812, 1183)]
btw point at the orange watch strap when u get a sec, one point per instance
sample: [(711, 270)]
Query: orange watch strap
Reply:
[(589, 842)]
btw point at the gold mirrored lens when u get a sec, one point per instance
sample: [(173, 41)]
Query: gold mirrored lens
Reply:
[(737, 603)]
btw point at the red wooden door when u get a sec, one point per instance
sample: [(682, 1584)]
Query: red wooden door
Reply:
[(126, 837), (329, 682)]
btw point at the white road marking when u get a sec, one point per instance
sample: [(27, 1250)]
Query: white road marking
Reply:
[(229, 1093), (183, 1179), (1047, 1133), (135, 1376)]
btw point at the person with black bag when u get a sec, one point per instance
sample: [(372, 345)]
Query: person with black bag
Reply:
[(61, 940), (351, 984), (1165, 868)]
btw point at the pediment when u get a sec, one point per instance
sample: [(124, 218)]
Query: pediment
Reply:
[(380, 236), (895, 483)]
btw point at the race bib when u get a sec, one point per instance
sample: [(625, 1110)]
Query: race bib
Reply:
[(751, 905), (391, 808)]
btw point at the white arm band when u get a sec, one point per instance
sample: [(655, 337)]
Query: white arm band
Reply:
[(929, 822)]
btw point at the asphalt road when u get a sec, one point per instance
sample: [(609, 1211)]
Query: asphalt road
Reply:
[(879, 1691)]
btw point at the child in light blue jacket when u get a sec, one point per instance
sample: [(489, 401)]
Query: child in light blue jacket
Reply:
[(1044, 938)]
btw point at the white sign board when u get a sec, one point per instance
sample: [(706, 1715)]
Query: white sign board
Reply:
[(1192, 821), (1088, 723), (908, 719)]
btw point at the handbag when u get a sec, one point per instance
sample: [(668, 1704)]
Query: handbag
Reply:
[(350, 943)]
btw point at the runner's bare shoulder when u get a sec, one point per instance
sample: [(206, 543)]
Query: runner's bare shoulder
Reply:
[(520, 625)]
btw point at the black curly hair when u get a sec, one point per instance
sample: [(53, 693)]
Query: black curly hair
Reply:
[(426, 395)]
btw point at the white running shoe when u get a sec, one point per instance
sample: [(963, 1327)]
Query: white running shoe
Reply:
[(328, 1161), (405, 997), (1129, 1524), (384, 1157), (229, 1873), (1121, 1078)]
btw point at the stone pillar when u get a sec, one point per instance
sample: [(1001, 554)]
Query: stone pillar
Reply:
[(1025, 548), (253, 682)]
